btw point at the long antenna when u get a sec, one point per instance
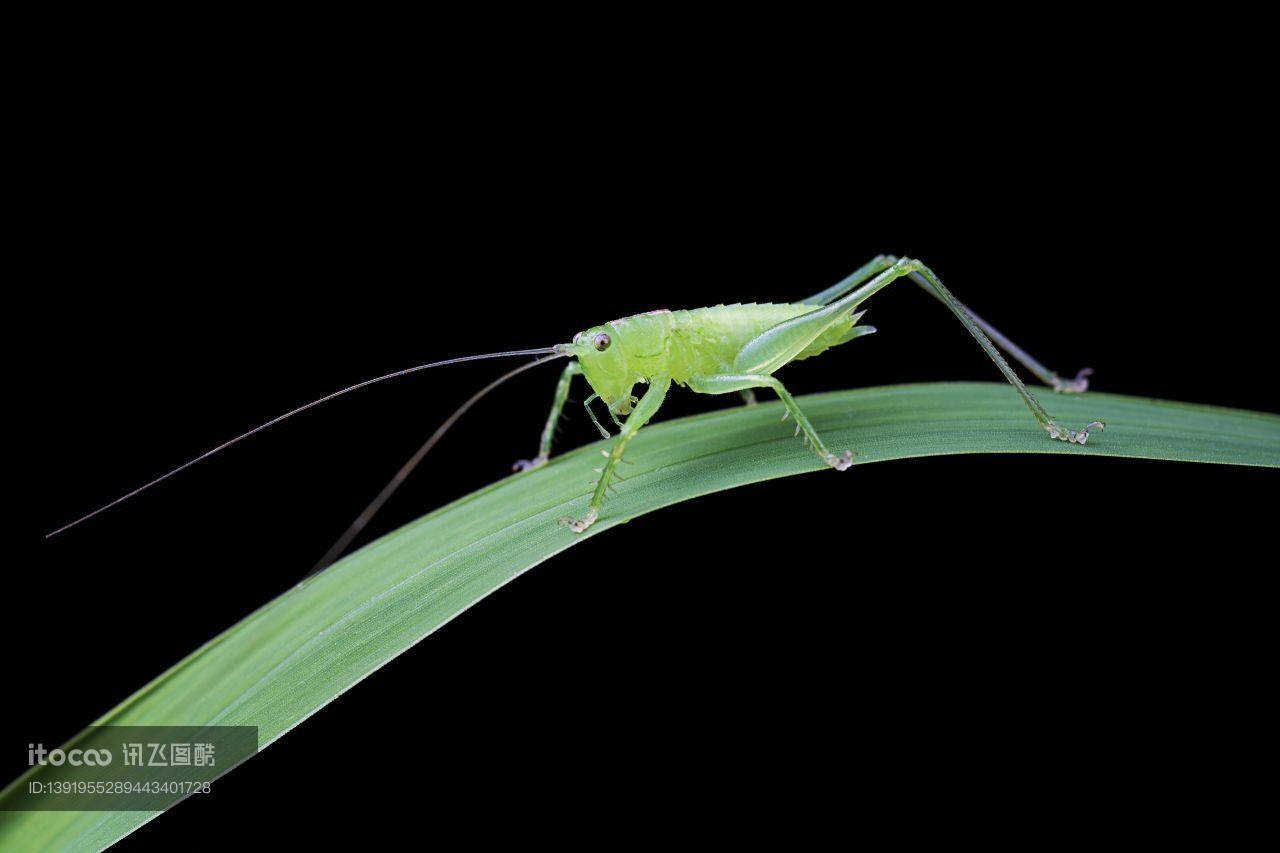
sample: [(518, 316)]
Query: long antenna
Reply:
[(335, 551), (239, 438)]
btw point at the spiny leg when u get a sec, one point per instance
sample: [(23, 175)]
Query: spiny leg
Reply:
[(571, 370), (726, 384), (640, 415), (908, 267)]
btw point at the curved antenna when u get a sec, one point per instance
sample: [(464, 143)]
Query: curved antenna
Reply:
[(239, 438), (335, 551)]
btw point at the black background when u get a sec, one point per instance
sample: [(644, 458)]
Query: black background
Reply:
[(1011, 629)]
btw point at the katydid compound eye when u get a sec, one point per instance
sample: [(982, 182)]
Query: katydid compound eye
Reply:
[(602, 342)]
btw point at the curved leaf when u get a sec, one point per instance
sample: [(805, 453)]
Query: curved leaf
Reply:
[(302, 650)]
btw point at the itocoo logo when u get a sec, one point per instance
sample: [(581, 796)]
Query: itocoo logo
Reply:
[(37, 754)]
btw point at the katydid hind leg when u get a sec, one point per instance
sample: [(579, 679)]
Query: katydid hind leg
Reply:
[(572, 369), (640, 415), (727, 384), (906, 267)]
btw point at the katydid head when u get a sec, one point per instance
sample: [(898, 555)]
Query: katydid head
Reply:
[(605, 365)]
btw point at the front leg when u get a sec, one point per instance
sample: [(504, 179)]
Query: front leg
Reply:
[(571, 370), (727, 384), (639, 416)]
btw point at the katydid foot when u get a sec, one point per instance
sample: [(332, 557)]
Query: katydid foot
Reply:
[(1071, 435), (577, 525), (842, 461)]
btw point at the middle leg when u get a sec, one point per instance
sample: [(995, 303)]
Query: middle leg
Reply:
[(909, 266), (727, 384)]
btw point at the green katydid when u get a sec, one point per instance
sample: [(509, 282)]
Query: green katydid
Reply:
[(717, 350), (731, 348)]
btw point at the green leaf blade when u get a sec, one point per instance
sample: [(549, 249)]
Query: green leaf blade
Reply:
[(299, 652)]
